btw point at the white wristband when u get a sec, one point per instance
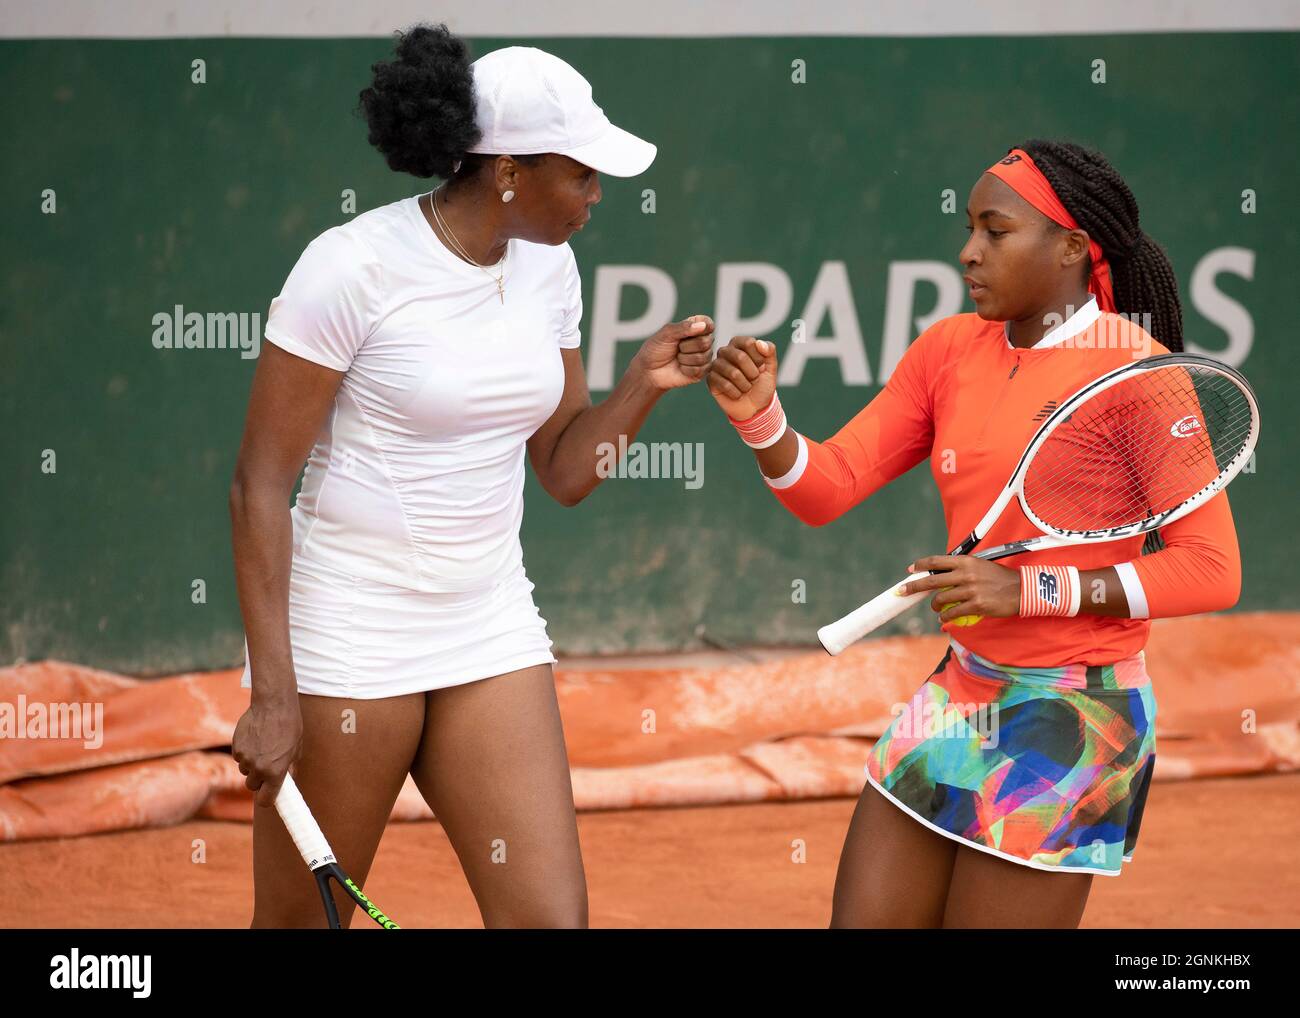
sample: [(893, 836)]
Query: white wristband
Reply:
[(765, 428), (1049, 590)]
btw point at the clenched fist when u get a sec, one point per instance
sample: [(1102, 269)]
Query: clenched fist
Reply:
[(743, 377), (678, 354)]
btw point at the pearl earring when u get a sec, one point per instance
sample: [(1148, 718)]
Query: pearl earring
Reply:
[(508, 196)]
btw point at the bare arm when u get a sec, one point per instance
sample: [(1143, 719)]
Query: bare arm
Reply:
[(565, 450), (1102, 593), (1198, 570), (968, 585), (289, 401)]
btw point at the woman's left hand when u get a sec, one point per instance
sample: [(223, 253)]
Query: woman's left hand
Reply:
[(678, 354), (966, 585)]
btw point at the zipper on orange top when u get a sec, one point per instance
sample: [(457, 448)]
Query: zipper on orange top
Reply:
[(988, 417)]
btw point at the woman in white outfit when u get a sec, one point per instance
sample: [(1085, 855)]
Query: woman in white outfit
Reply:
[(413, 356)]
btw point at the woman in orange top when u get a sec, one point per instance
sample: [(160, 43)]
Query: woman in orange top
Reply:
[(1020, 768)]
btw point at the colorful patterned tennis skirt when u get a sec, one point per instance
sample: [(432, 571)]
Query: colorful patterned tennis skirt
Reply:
[(1046, 767)]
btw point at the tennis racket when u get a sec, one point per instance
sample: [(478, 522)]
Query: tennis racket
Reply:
[(1130, 452), (316, 853)]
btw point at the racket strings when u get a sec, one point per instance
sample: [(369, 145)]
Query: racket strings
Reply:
[(1138, 449)]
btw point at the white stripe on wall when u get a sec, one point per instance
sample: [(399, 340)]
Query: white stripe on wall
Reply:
[(526, 18)]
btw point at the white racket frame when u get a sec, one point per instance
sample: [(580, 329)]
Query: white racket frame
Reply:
[(837, 636)]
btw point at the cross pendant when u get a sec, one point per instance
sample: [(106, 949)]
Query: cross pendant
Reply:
[(501, 291)]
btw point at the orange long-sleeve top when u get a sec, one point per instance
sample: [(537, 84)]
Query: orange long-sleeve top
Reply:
[(966, 398)]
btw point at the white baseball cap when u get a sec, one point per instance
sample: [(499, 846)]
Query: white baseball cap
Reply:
[(529, 102)]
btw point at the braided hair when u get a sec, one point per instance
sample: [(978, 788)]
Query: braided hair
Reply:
[(1102, 204), (1095, 194)]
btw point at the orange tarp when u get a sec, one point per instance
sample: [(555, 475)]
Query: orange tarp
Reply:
[(1227, 687)]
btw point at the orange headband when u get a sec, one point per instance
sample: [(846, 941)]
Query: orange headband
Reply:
[(1018, 171)]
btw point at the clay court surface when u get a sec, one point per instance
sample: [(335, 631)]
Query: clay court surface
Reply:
[(1213, 853), (731, 813)]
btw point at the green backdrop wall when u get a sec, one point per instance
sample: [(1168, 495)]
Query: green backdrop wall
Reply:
[(202, 195)]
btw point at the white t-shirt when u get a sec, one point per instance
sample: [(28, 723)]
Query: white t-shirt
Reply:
[(417, 476)]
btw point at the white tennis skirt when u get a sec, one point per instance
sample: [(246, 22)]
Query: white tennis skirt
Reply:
[(365, 640)]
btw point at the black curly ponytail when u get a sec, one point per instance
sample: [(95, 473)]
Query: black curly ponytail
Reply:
[(1102, 203), (420, 106)]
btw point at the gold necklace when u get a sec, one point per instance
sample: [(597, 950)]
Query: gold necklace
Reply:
[(460, 248)]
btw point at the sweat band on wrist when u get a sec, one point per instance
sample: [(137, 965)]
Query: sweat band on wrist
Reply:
[(1049, 590), (763, 429)]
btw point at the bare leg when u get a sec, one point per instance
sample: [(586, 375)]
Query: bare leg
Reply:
[(493, 767), (991, 893), (893, 872), (350, 772)]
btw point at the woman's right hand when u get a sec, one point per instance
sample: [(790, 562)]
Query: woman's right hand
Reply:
[(743, 376), (267, 739)]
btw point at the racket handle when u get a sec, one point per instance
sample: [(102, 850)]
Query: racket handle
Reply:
[(838, 636), (304, 830)]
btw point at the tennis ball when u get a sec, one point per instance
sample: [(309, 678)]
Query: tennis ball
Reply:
[(960, 620)]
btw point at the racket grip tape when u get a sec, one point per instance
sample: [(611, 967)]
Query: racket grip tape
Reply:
[(837, 636), (304, 830)]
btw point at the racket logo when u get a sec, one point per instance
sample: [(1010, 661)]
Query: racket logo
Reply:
[(1186, 427), (371, 909)]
